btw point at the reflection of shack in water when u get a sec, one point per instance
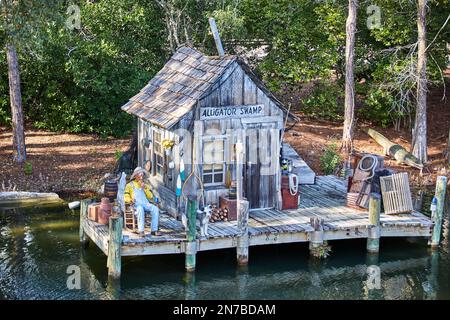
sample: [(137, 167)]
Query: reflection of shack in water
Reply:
[(399, 279)]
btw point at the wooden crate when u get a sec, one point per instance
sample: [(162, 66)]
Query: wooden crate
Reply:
[(93, 211), (396, 193)]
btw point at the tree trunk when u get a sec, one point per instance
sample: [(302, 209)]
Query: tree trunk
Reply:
[(19, 150), (419, 140), (347, 135)]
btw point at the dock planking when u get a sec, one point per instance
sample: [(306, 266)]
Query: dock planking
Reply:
[(324, 200)]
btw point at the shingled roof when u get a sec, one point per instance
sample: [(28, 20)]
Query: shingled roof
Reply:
[(175, 89)]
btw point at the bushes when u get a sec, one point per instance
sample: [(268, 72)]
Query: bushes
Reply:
[(330, 159), (78, 79), (378, 108), (325, 101)]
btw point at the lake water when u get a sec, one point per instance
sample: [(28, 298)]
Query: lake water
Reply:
[(37, 246)]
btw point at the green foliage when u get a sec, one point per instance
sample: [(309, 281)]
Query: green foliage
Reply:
[(302, 38), (378, 108), (28, 168), (117, 154), (325, 101), (76, 80), (229, 22), (322, 252), (330, 159)]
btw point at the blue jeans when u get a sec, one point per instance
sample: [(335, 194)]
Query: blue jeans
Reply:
[(147, 208)]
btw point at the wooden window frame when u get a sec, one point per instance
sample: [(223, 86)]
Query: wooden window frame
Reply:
[(156, 153), (214, 183)]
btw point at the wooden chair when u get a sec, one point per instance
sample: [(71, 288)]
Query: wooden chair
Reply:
[(130, 219)]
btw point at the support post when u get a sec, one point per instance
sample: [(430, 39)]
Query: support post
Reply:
[(191, 244), (317, 236), (373, 239), (114, 246), (243, 238), (84, 240), (242, 210), (441, 185)]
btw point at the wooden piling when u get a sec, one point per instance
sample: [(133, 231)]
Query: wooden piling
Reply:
[(441, 185), (373, 239), (114, 246), (191, 244), (84, 240), (242, 210), (243, 238), (317, 236)]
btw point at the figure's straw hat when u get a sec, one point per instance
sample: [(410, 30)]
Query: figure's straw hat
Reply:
[(137, 171)]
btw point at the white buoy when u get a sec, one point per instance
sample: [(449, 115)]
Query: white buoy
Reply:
[(74, 204)]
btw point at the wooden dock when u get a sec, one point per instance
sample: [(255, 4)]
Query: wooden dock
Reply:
[(324, 200)]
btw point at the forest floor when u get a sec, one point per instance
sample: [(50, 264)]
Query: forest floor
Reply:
[(73, 165), (68, 164)]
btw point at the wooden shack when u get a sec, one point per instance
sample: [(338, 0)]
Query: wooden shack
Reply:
[(194, 111)]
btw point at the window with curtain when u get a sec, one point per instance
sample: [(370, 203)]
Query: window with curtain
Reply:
[(213, 161)]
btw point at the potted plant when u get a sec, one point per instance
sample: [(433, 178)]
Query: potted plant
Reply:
[(167, 145)]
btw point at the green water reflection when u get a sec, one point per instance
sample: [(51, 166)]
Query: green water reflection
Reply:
[(38, 245)]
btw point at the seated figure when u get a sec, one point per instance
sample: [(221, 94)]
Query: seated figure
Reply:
[(138, 194)]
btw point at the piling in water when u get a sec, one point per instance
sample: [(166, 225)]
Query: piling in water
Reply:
[(441, 185), (84, 240), (191, 244), (114, 248), (373, 239)]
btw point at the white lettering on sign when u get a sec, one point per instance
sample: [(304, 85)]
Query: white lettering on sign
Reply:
[(253, 110)]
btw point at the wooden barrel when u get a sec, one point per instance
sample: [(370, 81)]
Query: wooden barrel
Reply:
[(110, 190)]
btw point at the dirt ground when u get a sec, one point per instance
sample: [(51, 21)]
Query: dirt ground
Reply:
[(63, 163), (311, 137), (74, 164)]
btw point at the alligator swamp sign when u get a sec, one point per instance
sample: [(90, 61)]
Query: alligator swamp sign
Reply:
[(242, 111)]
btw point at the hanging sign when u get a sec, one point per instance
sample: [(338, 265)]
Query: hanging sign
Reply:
[(242, 111)]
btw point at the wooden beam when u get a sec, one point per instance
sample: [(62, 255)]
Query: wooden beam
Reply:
[(242, 209), (317, 236), (215, 32), (84, 240), (441, 185), (114, 262), (373, 239), (191, 244)]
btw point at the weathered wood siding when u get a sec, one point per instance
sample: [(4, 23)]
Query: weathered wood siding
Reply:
[(235, 87), (162, 186)]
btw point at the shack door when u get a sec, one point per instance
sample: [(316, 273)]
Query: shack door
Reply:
[(261, 155)]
